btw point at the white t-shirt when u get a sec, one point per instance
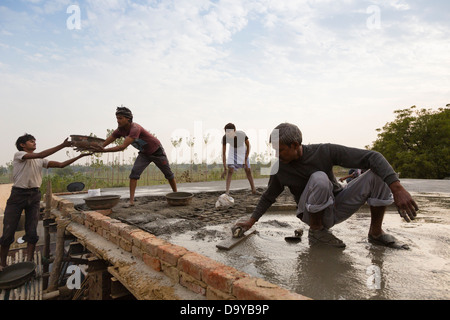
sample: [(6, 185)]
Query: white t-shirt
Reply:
[(238, 148), (27, 173)]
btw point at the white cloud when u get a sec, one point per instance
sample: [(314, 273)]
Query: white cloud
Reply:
[(256, 63)]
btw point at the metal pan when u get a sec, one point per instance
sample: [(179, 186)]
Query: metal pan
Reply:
[(17, 274), (102, 202), (179, 198), (75, 186)]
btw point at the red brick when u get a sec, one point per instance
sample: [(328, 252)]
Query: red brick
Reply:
[(250, 288), (222, 278), (114, 238), (87, 224), (65, 206), (137, 252), (106, 234), (150, 245), (214, 294), (91, 216), (106, 223), (151, 261), (115, 227), (195, 264), (126, 231), (170, 253), (139, 236), (192, 284), (170, 271), (125, 245)]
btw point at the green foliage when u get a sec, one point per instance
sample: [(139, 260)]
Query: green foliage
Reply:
[(61, 181), (417, 143)]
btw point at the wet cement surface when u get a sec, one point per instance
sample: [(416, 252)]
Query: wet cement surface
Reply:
[(360, 271)]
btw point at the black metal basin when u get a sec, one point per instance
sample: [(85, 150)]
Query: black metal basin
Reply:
[(15, 275), (179, 198), (102, 202)]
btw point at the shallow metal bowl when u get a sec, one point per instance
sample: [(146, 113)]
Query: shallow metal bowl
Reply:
[(102, 202), (17, 274), (75, 186), (85, 143), (179, 198)]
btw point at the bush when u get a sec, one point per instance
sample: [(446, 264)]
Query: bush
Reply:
[(417, 143)]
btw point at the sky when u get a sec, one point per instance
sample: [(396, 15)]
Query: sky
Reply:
[(185, 68)]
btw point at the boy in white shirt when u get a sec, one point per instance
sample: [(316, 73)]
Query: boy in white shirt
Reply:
[(25, 193)]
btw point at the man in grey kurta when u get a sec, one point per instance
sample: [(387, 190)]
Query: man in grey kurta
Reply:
[(307, 170)]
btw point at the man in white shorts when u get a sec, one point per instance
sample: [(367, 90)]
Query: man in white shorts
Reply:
[(239, 149)]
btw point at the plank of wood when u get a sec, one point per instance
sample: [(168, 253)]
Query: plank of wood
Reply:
[(233, 242)]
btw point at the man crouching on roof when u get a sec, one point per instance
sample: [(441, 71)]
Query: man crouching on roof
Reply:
[(307, 170)]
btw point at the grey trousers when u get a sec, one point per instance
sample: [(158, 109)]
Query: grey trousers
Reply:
[(318, 196)]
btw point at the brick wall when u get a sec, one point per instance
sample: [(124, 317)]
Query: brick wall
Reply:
[(194, 271)]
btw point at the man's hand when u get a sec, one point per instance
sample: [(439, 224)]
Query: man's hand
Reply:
[(86, 154), (223, 174), (67, 143), (244, 225), (406, 206)]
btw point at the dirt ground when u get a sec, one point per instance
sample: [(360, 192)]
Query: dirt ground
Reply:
[(155, 215)]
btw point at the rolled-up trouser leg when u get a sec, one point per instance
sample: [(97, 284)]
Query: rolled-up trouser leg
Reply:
[(317, 197), (369, 188)]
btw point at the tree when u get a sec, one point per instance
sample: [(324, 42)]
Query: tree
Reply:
[(417, 143), (206, 141), (176, 143), (190, 142)]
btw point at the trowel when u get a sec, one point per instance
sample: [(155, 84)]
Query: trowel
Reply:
[(238, 235), (296, 238)]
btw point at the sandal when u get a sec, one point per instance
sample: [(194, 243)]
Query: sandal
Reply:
[(387, 240), (326, 237)]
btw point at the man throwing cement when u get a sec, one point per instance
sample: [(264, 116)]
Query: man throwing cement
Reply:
[(307, 170), (150, 149), (239, 149), (25, 193)]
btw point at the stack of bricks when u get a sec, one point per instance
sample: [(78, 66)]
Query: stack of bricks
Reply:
[(194, 271)]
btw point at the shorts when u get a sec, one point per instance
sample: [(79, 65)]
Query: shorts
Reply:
[(158, 157), (236, 165), (318, 196), (20, 200)]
